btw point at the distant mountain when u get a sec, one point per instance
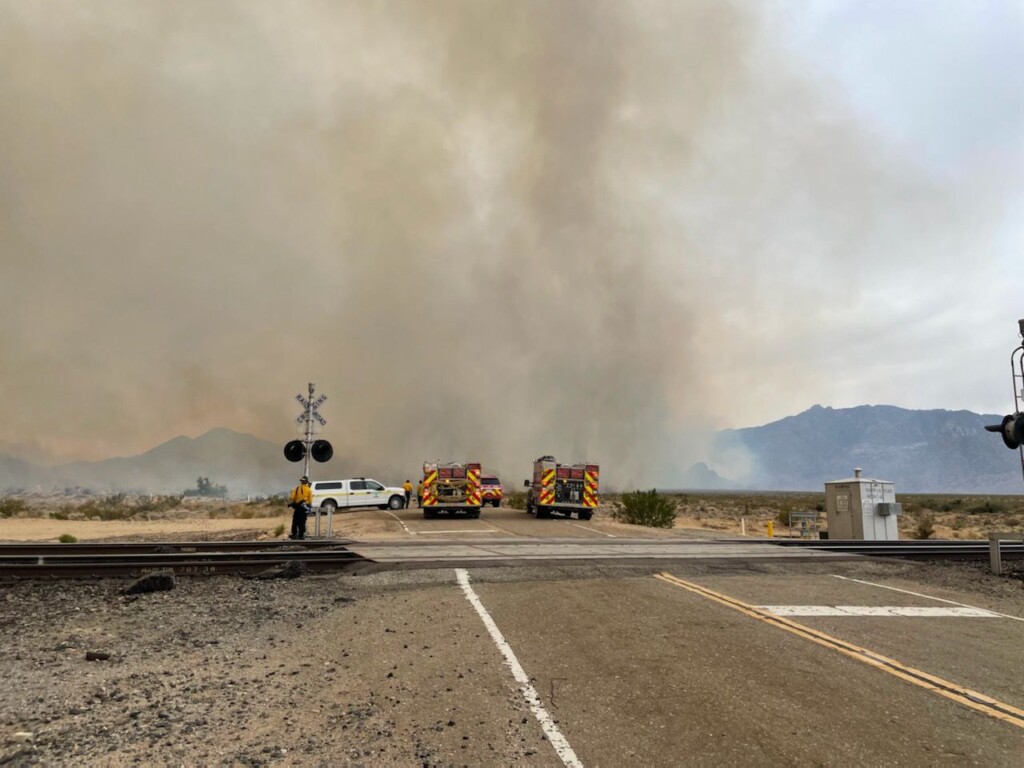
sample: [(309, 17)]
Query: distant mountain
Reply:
[(244, 463), (703, 477), (17, 474), (920, 451)]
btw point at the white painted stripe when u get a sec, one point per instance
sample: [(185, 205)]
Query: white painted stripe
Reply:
[(927, 597), (459, 530), (558, 741), (928, 611), (434, 533), (594, 530), (411, 533)]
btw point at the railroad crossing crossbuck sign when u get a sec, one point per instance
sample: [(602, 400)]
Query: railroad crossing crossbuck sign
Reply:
[(299, 450), (311, 409)]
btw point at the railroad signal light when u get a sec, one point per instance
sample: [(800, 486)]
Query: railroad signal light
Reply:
[(321, 451), (1011, 429), (295, 451)]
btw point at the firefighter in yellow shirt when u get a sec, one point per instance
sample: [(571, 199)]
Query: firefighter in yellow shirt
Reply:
[(407, 487), (301, 499)]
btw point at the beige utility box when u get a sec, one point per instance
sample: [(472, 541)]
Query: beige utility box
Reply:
[(862, 508)]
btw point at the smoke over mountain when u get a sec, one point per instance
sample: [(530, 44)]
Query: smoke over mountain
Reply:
[(484, 229)]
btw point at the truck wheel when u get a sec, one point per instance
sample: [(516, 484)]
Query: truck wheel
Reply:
[(586, 515), (496, 503), (473, 515), (329, 506), (429, 514), (543, 512), (396, 502)]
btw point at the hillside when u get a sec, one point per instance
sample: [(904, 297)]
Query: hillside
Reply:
[(933, 451), (244, 463), (921, 451)]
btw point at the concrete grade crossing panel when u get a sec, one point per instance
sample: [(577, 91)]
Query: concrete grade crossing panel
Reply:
[(580, 549)]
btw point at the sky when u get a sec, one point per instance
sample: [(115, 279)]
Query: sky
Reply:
[(594, 229)]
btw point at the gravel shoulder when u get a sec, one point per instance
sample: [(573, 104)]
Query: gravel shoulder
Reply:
[(315, 670)]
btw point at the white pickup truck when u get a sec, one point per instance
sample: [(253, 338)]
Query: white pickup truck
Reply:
[(330, 495)]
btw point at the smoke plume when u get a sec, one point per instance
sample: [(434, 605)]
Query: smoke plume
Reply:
[(485, 230)]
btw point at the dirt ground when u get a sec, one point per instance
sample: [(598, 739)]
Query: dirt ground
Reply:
[(366, 524), (315, 671), (703, 515), (44, 529)]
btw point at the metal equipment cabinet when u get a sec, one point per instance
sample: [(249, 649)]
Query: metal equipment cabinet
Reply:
[(862, 508)]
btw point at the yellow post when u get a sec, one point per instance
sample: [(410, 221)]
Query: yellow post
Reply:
[(771, 528)]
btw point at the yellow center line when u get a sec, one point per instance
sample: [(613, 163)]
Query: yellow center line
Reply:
[(977, 701)]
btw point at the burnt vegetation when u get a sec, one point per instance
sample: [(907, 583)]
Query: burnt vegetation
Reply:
[(206, 487)]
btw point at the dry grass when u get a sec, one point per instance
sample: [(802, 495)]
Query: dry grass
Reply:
[(952, 516), (124, 507)]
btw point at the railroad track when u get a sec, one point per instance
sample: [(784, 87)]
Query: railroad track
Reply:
[(945, 549), (35, 561), (162, 547), (54, 561)]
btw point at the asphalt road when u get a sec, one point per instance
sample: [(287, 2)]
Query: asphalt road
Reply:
[(633, 670), (638, 671), (642, 672), (504, 521)]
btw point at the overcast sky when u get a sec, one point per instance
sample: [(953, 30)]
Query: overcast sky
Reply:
[(584, 227), (942, 84)]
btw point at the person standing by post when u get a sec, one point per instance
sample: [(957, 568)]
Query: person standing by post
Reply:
[(301, 499), (407, 486)]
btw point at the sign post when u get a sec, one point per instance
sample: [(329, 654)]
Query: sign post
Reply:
[(309, 415), (319, 450)]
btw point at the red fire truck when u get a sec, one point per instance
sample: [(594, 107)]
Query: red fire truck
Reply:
[(563, 488), (451, 487)]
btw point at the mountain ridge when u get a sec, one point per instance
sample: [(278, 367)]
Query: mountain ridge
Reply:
[(246, 464), (933, 451)]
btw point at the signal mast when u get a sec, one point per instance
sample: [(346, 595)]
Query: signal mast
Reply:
[(302, 450), (1012, 426)]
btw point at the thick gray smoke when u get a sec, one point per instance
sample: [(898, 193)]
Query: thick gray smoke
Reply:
[(485, 229)]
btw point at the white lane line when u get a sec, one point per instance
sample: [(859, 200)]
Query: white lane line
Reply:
[(927, 597), (459, 530), (411, 533), (558, 741), (929, 611), (430, 533), (592, 530)]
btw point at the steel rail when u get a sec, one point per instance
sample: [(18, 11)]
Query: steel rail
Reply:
[(907, 545), (794, 542), (914, 549), (96, 565), (134, 547)]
